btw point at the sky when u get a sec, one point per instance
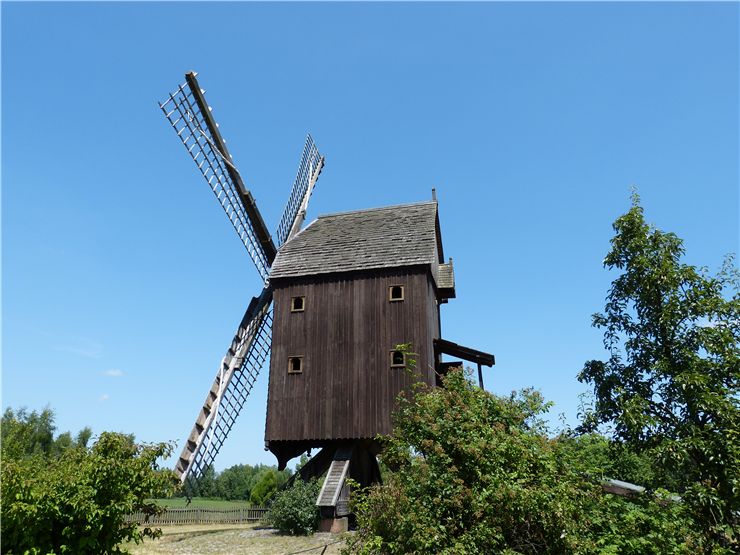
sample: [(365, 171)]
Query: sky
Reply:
[(123, 282)]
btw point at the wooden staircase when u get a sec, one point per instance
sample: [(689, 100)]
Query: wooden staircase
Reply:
[(331, 491)]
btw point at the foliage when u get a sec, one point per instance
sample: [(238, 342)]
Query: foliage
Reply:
[(32, 433), (293, 510), (206, 484), (476, 473), (235, 482), (596, 456), (269, 482), (75, 500), (670, 384), (240, 482)]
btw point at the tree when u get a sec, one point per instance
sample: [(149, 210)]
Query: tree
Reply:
[(207, 483), (59, 497), (83, 437), (234, 482), (269, 482), (32, 433), (25, 433), (476, 473), (670, 384)]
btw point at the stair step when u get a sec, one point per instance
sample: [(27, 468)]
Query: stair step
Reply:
[(333, 483)]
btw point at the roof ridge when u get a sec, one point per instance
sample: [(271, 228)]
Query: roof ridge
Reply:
[(348, 212)]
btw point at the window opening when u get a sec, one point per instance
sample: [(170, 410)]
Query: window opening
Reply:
[(398, 359), (395, 293), (297, 304), (295, 365)]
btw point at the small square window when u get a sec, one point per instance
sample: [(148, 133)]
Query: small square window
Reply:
[(295, 365), (398, 359), (297, 304), (395, 293)]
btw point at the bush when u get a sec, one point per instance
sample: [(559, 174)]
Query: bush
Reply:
[(476, 473), (77, 502), (294, 511)]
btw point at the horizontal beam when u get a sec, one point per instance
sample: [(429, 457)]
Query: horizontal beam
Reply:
[(442, 346)]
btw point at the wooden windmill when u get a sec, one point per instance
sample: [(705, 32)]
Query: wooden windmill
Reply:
[(346, 290)]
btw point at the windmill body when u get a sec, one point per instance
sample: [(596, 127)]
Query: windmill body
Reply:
[(347, 290)]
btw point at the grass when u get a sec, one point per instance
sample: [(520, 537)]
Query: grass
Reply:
[(202, 503), (226, 539)]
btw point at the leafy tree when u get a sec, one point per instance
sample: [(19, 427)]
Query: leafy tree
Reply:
[(25, 433), (670, 384), (302, 462), (77, 502), (598, 457), (83, 437), (62, 443), (293, 510), (234, 482), (206, 485), (269, 481), (32, 433)]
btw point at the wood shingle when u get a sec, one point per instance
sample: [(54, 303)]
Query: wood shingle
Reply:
[(393, 236)]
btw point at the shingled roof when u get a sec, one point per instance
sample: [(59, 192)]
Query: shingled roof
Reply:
[(404, 235)]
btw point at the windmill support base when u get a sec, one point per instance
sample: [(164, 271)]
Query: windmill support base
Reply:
[(340, 460), (334, 525)]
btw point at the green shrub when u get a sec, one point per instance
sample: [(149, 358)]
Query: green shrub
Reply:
[(474, 473), (294, 511), (77, 502)]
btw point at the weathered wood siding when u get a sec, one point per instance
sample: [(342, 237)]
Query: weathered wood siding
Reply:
[(347, 388)]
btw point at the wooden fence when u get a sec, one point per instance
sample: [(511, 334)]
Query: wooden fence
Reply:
[(201, 516)]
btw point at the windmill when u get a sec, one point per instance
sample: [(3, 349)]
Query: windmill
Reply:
[(347, 289)]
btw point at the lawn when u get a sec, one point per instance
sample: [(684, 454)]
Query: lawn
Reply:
[(227, 539), (202, 503)]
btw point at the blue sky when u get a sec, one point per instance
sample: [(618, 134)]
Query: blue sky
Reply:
[(123, 282)]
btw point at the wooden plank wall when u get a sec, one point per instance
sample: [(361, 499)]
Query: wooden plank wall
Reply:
[(347, 388)]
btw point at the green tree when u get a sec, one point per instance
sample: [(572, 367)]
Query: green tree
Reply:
[(207, 484), (78, 501), (234, 482), (83, 437), (266, 487), (670, 384), (27, 433), (62, 443)]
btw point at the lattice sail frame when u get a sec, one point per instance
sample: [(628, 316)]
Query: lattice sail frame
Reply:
[(185, 117), (308, 172), (232, 385), (250, 346)]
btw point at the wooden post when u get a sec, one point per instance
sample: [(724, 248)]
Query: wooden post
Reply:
[(480, 376)]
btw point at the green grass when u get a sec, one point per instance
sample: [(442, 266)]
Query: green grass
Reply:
[(202, 503)]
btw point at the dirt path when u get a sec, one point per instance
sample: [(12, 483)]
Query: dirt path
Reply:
[(231, 539)]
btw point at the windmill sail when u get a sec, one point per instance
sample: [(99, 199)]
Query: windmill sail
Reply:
[(295, 210), (231, 387), (191, 118)]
